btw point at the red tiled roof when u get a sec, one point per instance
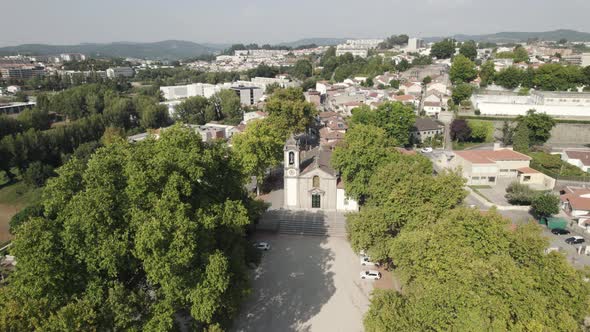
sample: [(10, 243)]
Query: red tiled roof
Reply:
[(404, 98), (583, 156), (576, 201), (432, 103), (490, 156), (527, 170)]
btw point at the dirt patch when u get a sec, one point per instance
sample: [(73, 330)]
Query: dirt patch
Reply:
[(6, 213), (388, 280)]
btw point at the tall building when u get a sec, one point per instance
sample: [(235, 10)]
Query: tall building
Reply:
[(414, 44), (120, 72), (249, 95), (578, 59)]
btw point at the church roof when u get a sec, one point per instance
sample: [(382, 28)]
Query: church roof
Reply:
[(315, 158)]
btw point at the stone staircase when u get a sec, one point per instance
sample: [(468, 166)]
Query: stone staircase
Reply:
[(303, 223)]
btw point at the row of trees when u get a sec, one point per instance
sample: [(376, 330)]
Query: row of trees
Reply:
[(549, 77), (222, 106), (473, 265), (140, 237)]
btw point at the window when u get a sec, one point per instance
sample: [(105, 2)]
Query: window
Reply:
[(526, 178), (492, 179), (315, 201), (291, 158), (316, 181)]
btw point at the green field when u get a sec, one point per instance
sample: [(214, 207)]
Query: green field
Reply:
[(14, 197)]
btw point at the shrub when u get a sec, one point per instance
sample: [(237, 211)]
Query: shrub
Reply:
[(545, 205), (35, 210), (520, 194), (37, 173)]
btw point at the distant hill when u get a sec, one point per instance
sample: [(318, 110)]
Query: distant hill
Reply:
[(317, 41), (164, 50), (508, 37)]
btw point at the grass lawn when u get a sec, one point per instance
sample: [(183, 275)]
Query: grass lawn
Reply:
[(13, 198)]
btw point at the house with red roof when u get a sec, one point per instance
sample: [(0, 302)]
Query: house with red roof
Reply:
[(580, 159), (485, 167), (575, 201)]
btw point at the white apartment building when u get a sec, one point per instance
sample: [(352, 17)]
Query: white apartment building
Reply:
[(414, 44), (120, 72), (578, 59), (558, 104)]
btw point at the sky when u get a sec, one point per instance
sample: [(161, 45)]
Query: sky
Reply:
[(273, 21)]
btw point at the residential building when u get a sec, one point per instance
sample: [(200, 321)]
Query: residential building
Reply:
[(580, 159), (426, 129), (314, 97), (251, 116), (484, 167), (411, 88), (15, 108), (310, 182), (576, 202), (117, 72), (577, 59), (21, 72), (249, 95), (432, 108), (415, 44)]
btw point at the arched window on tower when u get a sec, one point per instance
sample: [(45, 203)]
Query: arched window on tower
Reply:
[(316, 181), (291, 158)]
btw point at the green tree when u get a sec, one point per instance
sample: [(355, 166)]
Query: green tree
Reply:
[(462, 70), (521, 138), (259, 148), (395, 118), (481, 131), (37, 173), (539, 126), (509, 78), (363, 149), (302, 69), (507, 134), (545, 205), (193, 110), (444, 49), (289, 112), (225, 104), (461, 92), (132, 237), (439, 271), (520, 54), (486, 73), (469, 50)]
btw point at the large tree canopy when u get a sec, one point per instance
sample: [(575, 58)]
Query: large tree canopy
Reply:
[(289, 112), (395, 118), (139, 234), (470, 271)]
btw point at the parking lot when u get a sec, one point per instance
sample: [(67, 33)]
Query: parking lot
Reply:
[(306, 283)]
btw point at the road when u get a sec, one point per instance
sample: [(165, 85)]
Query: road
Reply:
[(306, 283)]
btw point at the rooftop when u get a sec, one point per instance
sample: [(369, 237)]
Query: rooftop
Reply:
[(583, 156), (491, 156)]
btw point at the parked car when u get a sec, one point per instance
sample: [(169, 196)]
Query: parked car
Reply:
[(560, 231), (371, 274), (262, 246), (426, 150), (575, 240), (366, 260)]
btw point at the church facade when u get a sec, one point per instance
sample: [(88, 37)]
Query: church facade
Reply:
[(310, 182)]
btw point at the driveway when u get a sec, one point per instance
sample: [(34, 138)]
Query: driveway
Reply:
[(306, 283)]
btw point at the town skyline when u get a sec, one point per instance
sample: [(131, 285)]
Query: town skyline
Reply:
[(234, 22)]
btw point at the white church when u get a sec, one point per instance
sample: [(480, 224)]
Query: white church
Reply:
[(310, 181)]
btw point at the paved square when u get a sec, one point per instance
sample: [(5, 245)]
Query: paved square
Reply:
[(306, 283)]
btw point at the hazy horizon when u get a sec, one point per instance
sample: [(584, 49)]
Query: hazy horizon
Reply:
[(264, 21)]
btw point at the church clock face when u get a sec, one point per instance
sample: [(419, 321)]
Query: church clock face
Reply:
[(291, 172)]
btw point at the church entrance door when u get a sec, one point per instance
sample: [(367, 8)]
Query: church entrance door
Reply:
[(315, 201)]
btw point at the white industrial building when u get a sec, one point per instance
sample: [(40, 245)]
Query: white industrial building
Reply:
[(120, 72), (558, 104)]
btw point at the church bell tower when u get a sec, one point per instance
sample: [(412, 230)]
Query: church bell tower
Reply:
[(291, 173)]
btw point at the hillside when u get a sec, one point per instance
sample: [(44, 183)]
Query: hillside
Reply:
[(507, 37), (317, 41), (164, 50)]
